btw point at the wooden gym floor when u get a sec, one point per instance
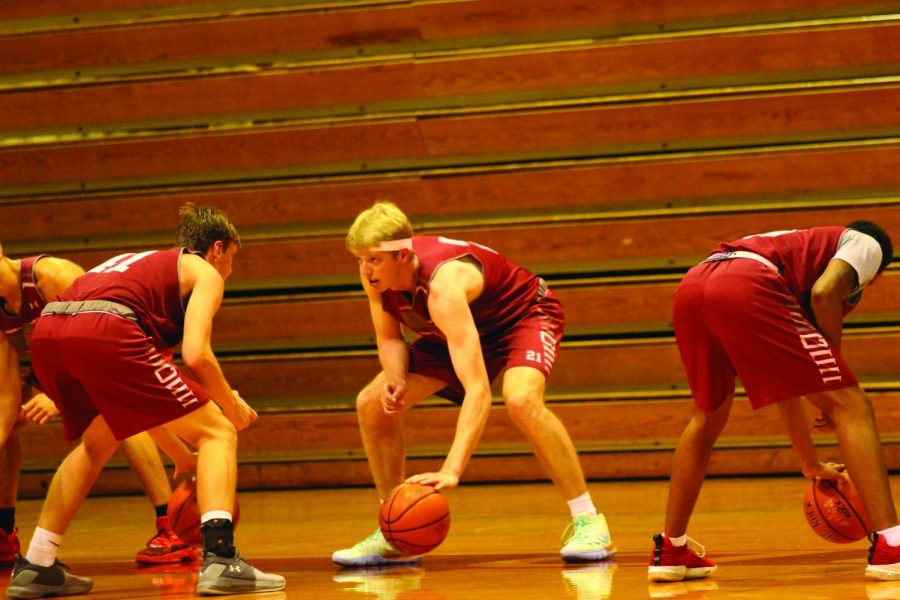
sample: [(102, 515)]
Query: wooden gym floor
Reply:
[(503, 543)]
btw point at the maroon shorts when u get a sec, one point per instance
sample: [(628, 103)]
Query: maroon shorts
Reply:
[(737, 317), (102, 364), (532, 342)]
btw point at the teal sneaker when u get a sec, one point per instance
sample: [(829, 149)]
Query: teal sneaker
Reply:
[(372, 551), (590, 540)]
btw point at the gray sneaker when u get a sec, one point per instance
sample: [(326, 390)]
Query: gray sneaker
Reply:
[(35, 581), (220, 575)]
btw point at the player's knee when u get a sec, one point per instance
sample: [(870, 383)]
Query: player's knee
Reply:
[(225, 432), (524, 407), (99, 445), (368, 402)]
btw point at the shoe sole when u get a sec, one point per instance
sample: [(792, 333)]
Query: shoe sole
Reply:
[(239, 588), (374, 560), (883, 572), (592, 556), (43, 591), (678, 573)]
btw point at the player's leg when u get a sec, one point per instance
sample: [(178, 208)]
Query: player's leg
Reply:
[(677, 560), (165, 547), (711, 378), (38, 574), (382, 433), (223, 571), (10, 462), (383, 440), (851, 412), (523, 396)]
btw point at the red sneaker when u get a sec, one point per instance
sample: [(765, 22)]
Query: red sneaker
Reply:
[(884, 559), (675, 563), (9, 547), (166, 547)]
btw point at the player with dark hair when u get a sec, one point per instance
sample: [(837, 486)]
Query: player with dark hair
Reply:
[(103, 353), (769, 308), (25, 286), (477, 314)]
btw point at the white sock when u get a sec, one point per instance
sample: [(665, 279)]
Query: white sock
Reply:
[(43, 547), (215, 514), (681, 540), (891, 535), (582, 505)]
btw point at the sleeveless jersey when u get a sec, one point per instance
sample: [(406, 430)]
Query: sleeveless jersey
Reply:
[(509, 290), (32, 301), (801, 256), (147, 283)]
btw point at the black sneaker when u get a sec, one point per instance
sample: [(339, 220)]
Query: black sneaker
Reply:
[(220, 575), (35, 581)]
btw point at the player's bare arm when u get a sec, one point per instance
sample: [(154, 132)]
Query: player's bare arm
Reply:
[(55, 275), (203, 288), (827, 296), (393, 354), (453, 286), (10, 387), (794, 417)]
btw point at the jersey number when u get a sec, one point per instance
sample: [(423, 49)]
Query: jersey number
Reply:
[(120, 263)]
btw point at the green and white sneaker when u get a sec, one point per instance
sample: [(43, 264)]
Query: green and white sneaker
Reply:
[(590, 540), (372, 551)]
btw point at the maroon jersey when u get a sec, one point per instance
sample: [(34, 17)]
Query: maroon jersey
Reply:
[(32, 301), (147, 283), (509, 290), (800, 255)]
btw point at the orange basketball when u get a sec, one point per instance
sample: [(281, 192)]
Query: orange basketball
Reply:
[(415, 518), (835, 511), (184, 512)]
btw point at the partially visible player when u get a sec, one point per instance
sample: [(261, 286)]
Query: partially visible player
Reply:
[(769, 308), (477, 314), (25, 287), (102, 352)]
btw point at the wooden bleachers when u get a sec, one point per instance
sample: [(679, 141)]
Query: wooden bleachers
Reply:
[(606, 148)]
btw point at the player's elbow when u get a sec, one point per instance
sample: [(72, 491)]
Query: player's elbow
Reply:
[(823, 296), (195, 356)]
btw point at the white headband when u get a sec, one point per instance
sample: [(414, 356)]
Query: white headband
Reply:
[(392, 245)]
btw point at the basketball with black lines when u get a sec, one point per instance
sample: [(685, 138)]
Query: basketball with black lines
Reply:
[(835, 511), (415, 518)]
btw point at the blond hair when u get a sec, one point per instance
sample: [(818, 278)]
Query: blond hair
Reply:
[(382, 222)]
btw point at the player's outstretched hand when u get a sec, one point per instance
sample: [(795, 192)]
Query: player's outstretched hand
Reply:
[(392, 397), (240, 413), (440, 480), (38, 410), (831, 471)]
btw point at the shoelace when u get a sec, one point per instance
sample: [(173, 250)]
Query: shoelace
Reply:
[(696, 547), (581, 530)]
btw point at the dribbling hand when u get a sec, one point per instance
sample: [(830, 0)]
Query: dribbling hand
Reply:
[(440, 480), (831, 471)]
